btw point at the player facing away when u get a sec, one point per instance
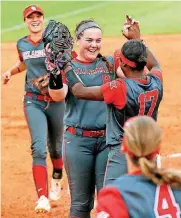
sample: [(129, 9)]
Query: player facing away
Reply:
[(146, 191), (44, 116)]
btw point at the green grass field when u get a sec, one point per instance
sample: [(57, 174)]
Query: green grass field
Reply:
[(155, 17)]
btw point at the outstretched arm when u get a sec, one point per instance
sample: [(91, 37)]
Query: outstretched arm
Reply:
[(131, 30), (87, 93), (15, 69), (152, 62), (78, 88)]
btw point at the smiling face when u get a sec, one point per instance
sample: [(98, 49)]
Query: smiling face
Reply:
[(34, 22), (89, 44)]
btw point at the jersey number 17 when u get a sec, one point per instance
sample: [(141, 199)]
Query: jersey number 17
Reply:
[(150, 96)]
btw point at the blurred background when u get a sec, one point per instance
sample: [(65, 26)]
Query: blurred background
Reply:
[(162, 17)]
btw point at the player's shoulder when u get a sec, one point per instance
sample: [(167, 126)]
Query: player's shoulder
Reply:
[(157, 75), (110, 59), (128, 181), (22, 40)]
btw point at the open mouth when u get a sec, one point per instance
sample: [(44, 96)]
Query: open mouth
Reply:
[(93, 51), (35, 24)]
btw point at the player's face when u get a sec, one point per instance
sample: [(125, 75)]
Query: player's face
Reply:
[(34, 22), (90, 44)]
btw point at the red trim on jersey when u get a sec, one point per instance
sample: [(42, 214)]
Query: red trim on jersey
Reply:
[(31, 41), (157, 74), (111, 202), (74, 54), (117, 61), (127, 61), (83, 62), (20, 55), (142, 81), (114, 93), (135, 173), (64, 79)]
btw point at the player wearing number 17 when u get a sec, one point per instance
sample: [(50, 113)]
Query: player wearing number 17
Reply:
[(136, 94)]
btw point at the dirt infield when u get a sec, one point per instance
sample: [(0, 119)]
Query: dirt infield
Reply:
[(18, 191)]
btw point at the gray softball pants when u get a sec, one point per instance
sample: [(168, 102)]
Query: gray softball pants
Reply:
[(45, 123)]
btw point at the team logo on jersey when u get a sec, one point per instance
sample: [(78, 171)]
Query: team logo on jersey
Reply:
[(33, 54), (102, 214), (113, 84), (89, 71)]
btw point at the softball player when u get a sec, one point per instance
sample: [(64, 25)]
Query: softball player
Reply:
[(43, 115), (85, 152), (137, 94), (146, 191)]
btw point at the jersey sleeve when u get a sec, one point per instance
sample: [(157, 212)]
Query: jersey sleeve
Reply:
[(19, 54), (111, 204), (64, 79), (157, 74), (114, 93)]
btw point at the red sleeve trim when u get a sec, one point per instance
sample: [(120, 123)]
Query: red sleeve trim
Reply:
[(115, 93), (117, 61), (111, 203), (20, 55), (74, 54), (157, 74), (64, 79)]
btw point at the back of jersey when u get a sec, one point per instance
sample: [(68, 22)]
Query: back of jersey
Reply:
[(142, 98), (144, 199)]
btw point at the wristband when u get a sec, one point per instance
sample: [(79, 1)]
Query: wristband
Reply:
[(55, 81)]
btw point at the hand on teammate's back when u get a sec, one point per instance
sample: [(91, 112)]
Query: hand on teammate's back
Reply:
[(131, 28)]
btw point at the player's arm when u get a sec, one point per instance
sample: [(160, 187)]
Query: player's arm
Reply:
[(113, 92), (152, 62), (87, 93), (111, 204), (15, 69), (153, 65), (131, 30), (57, 87)]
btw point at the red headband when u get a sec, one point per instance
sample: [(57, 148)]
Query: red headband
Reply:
[(126, 61), (150, 156)]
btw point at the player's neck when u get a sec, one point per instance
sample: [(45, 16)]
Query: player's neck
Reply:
[(131, 167), (36, 36), (137, 75)]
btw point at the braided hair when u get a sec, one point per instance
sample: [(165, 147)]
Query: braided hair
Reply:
[(143, 135)]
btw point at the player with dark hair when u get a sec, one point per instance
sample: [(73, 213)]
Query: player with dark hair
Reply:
[(137, 94), (82, 118), (44, 116), (146, 191)]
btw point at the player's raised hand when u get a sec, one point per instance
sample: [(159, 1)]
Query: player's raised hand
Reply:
[(131, 28), (6, 77)]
